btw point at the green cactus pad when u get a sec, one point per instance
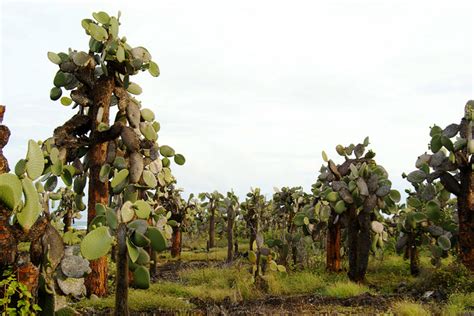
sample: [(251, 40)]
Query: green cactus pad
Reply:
[(444, 242), (127, 212), (142, 209), (340, 207), (119, 178), (133, 252), (167, 151), (10, 190), (141, 278), (139, 239), (149, 179), (30, 212), (179, 159), (143, 257), (158, 241), (34, 160), (147, 115), (96, 243)]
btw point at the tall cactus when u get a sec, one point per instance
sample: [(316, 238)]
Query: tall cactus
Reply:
[(355, 190), (253, 210), (213, 201), (122, 161), (427, 220), (451, 161), (232, 207)]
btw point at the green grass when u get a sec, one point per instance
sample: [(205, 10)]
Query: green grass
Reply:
[(301, 282), (140, 300), (409, 308), (459, 303), (221, 282), (345, 289)]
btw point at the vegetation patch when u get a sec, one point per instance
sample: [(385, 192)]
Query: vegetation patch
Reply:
[(345, 289), (409, 308)]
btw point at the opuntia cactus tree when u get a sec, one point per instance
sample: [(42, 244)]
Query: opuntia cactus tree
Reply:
[(289, 205), (232, 208), (427, 220), (180, 212), (212, 202), (356, 190), (122, 161), (253, 209), (451, 161)]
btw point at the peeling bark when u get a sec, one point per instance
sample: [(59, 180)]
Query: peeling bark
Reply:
[(96, 281), (176, 242), (333, 246)]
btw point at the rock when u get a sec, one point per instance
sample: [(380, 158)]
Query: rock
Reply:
[(73, 250), (75, 266), (60, 302), (72, 286)]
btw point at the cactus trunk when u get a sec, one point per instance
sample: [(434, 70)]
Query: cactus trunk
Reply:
[(121, 296), (333, 248), (67, 220), (359, 244), (96, 281), (413, 255), (466, 218), (253, 234), (230, 237), (176, 242), (8, 243), (212, 227)]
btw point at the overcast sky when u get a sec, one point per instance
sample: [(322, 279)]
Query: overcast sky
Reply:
[(251, 92)]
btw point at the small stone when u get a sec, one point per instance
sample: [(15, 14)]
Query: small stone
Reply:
[(75, 266), (72, 286), (73, 250)]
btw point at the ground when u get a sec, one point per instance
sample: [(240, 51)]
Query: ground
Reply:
[(202, 283)]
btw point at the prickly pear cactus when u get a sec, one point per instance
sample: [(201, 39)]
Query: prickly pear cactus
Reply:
[(446, 169), (355, 192), (123, 160), (292, 209), (254, 208), (212, 202), (427, 220)]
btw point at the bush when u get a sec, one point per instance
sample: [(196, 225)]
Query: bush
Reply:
[(408, 308), (459, 303), (454, 278), (345, 289)]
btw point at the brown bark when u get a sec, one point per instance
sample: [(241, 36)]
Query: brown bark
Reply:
[(333, 246), (466, 218), (176, 242), (121, 295), (96, 281), (212, 227), (8, 243), (28, 274), (67, 220)]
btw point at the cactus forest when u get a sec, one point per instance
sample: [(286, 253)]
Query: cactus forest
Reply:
[(351, 243)]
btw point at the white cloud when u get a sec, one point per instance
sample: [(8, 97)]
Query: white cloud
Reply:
[(252, 92)]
